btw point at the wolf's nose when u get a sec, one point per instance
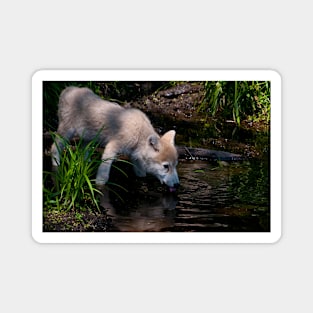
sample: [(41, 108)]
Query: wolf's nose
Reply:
[(173, 189)]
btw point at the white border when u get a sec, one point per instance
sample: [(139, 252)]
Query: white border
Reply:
[(154, 75)]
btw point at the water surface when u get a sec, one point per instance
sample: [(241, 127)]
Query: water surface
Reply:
[(227, 197)]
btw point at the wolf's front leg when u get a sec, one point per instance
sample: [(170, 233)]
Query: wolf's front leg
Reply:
[(107, 158)]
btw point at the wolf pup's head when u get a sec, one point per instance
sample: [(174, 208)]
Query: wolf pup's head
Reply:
[(163, 158)]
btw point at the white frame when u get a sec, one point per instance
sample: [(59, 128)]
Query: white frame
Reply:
[(156, 237)]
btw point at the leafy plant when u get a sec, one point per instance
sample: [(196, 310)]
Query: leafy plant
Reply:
[(213, 99), (237, 100), (73, 188)]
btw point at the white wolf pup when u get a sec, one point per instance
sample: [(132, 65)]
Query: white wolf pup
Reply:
[(122, 131)]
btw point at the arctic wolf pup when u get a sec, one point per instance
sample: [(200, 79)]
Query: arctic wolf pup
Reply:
[(122, 131)]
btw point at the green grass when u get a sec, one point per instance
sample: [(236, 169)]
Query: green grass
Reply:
[(237, 100), (72, 187)]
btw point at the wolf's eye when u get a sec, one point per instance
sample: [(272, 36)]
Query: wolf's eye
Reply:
[(166, 166)]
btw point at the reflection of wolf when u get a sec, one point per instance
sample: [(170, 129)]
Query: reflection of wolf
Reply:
[(121, 131)]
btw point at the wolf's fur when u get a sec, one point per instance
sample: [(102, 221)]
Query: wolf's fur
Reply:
[(121, 131)]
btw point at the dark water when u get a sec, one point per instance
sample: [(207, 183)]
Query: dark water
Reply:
[(221, 197)]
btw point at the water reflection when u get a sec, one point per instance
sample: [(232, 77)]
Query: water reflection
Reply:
[(212, 197)]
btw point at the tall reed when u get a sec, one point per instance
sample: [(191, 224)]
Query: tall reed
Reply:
[(237, 100), (73, 187)]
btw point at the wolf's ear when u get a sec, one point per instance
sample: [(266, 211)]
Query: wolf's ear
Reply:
[(170, 137), (154, 141)]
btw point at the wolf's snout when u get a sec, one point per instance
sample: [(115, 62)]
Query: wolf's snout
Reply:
[(173, 188)]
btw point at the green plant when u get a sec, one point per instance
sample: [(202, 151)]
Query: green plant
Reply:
[(213, 99), (72, 187), (237, 100), (261, 102)]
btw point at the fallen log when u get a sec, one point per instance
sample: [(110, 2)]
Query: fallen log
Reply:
[(207, 154)]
